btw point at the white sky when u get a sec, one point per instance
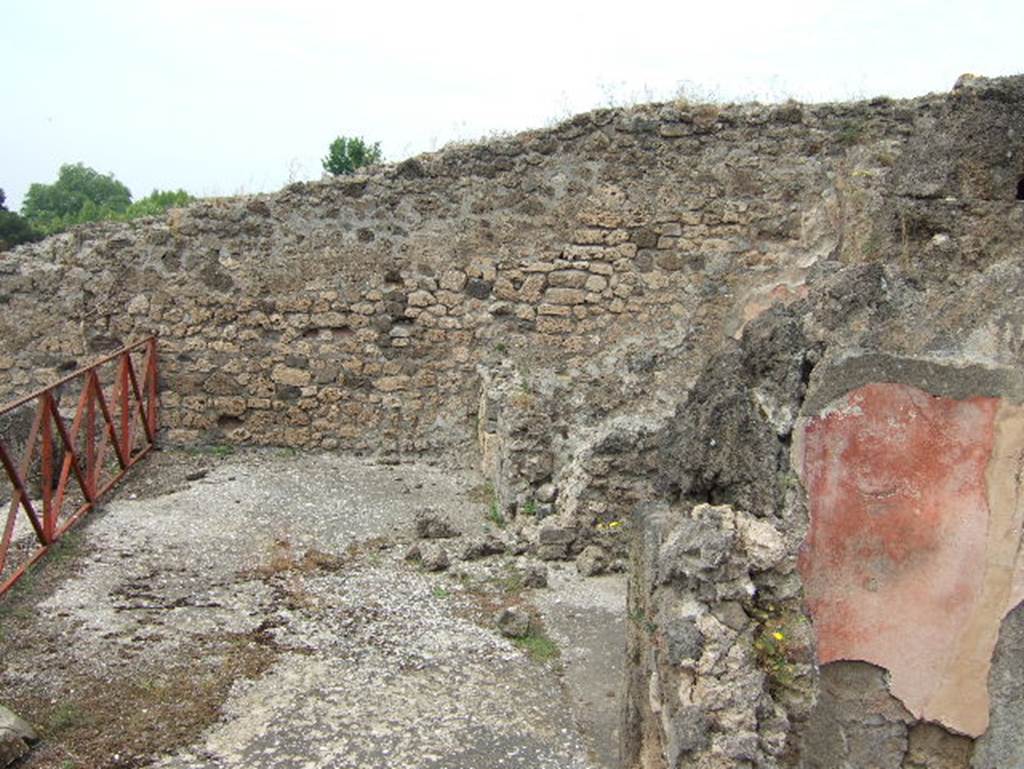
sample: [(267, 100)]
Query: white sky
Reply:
[(228, 96)]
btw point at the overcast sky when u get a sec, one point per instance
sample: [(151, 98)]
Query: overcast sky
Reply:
[(230, 96)]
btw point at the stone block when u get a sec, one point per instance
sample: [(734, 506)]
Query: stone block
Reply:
[(670, 262), (532, 288), (525, 312), (687, 734), (421, 299), (674, 130), (453, 280), (392, 383), (557, 552), (513, 622), (481, 547), (478, 289), (589, 236), (533, 574), (592, 561), (556, 535), (16, 735), (433, 556), (567, 278), (564, 296), (294, 377), (549, 325), (546, 492), (554, 309), (430, 524)]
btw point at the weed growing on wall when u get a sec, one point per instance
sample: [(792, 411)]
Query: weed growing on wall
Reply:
[(494, 514), (774, 645)]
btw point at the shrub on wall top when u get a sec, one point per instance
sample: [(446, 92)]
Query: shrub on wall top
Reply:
[(346, 154)]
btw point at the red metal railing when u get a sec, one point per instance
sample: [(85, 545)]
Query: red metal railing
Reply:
[(114, 426)]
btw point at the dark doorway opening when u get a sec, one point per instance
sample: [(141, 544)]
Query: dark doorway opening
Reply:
[(1020, 189)]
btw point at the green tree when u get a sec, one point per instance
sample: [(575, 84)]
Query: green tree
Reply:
[(79, 195), (158, 202), (13, 228), (346, 154)]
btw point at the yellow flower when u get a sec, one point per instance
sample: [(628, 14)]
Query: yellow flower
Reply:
[(778, 636), (613, 524)]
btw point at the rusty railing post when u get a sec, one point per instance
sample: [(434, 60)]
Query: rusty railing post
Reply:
[(82, 452)]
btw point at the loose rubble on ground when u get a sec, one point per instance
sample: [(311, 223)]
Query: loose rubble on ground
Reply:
[(272, 609)]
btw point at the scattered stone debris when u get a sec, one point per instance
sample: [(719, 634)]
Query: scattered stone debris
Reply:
[(554, 542), (533, 574), (207, 653), (433, 557), (513, 622), (432, 525), (481, 547), (592, 561), (16, 736)]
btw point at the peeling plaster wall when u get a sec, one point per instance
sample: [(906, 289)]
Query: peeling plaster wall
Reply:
[(911, 560)]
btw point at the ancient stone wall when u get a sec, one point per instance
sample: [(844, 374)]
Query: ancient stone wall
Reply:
[(613, 251), (638, 322)]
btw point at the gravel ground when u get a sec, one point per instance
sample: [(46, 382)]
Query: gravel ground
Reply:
[(587, 618), (271, 588)]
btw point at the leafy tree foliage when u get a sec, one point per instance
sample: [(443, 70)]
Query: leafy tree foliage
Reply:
[(82, 194), (79, 195), (158, 202), (346, 154), (13, 228)]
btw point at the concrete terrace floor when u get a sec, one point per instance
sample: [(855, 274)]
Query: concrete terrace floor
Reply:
[(255, 610)]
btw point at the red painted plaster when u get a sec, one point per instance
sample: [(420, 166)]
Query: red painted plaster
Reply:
[(897, 561)]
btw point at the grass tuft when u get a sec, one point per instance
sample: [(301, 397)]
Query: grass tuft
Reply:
[(538, 646)]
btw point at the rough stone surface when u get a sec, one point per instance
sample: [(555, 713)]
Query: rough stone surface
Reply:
[(534, 574), (856, 722), (1003, 744), (481, 547), (433, 557), (932, 747), (592, 561), (513, 622), (652, 231), (546, 492), (16, 735), (432, 525), (687, 734), (723, 444), (684, 640)]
